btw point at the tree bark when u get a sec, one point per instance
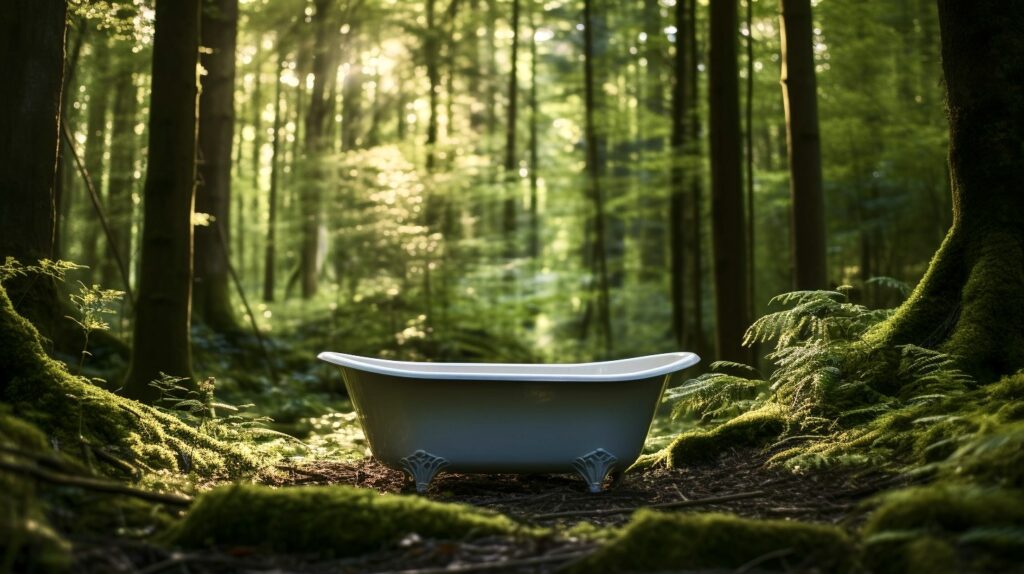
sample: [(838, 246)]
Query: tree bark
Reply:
[(535, 245), (511, 169), (684, 236), (311, 199), (32, 34), (598, 249), (270, 249), (970, 302), (162, 342), (800, 100), (211, 285), (727, 221)]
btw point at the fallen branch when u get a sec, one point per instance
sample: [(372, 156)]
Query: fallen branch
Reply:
[(675, 504), (95, 484)]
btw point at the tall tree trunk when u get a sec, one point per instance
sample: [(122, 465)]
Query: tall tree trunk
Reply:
[(96, 146), (431, 55), (270, 249), (316, 120), (598, 249), (352, 102), (727, 221), (162, 342), (799, 96), (511, 167), (62, 187), (32, 57), (535, 246), (211, 289), (748, 157), (970, 302), (684, 175), (121, 181), (650, 116)]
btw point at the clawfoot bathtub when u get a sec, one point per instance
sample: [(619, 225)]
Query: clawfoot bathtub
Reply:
[(591, 418)]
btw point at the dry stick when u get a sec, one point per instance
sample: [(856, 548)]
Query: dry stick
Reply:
[(95, 484), (676, 504), (252, 318), (111, 244), (495, 565)]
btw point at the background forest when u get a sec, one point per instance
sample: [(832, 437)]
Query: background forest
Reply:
[(818, 197)]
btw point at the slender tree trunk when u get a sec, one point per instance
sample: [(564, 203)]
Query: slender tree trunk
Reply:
[(799, 96), (535, 245), (96, 146), (316, 121), (727, 221), (599, 258), (352, 102), (270, 250), (971, 300), (211, 289), (162, 342), (121, 181), (511, 167), (652, 241), (748, 158), (431, 55), (684, 100), (62, 187), (32, 36)]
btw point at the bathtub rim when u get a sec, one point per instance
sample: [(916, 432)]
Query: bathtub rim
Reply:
[(574, 372)]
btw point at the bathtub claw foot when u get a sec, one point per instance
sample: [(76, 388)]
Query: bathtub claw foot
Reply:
[(594, 466), (422, 467)]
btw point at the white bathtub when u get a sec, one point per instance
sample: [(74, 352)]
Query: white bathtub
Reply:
[(591, 418)]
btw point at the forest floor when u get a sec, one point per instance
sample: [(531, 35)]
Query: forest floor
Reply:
[(738, 482)]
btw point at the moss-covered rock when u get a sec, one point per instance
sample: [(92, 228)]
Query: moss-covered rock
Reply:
[(751, 429), (326, 520), (72, 410), (654, 542), (946, 528)]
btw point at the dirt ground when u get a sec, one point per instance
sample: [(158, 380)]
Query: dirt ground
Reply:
[(738, 482)]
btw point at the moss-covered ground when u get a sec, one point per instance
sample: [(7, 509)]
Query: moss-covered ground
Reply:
[(853, 456)]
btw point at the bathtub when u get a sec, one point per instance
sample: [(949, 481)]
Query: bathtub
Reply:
[(588, 418)]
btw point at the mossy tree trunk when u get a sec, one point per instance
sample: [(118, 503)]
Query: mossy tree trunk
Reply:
[(162, 343), (32, 59), (971, 300), (211, 289)]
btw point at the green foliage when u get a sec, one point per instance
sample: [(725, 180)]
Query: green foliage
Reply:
[(330, 521), (662, 542), (717, 394), (92, 302), (75, 412)]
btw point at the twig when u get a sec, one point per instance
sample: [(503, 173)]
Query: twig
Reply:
[(111, 243), (95, 484), (676, 504), (495, 565)]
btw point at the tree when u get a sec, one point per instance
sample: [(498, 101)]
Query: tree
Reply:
[(162, 342), (511, 171), (799, 91), (211, 288), (96, 142), (32, 36), (727, 223), (971, 300), (270, 248), (121, 178), (684, 200), (596, 252)]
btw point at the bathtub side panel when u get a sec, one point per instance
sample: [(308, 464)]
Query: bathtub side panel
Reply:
[(499, 426)]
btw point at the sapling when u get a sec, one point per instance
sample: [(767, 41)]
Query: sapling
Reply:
[(92, 302)]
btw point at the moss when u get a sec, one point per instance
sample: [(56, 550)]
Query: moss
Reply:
[(71, 409), (654, 541), (960, 528), (751, 429), (27, 541), (327, 520)]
